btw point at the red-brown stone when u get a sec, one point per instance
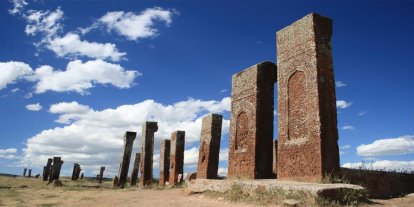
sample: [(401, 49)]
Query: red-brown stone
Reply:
[(177, 157), (164, 162)]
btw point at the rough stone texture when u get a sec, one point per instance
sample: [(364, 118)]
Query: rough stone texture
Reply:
[(47, 169), (30, 173), (275, 158), (75, 169), (328, 191), (308, 134), (78, 171), (147, 152), (251, 123), (177, 157), (135, 170), (115, 182), (209, 150), (55, 169), (129, 138), (164, 161), (24, 172), (101, 172)]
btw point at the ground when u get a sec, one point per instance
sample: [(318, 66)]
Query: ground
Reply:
[(34, 192)]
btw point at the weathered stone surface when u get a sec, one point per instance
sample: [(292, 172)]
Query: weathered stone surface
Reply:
[(55, 169), (327, 191), (75, 169), (251, 123), (164, 162), (135, 169), (275, 158), (147, 152), (81, 177), (308, 134), (101, 172), (129, 138), (24, 172), (78, 171), (209, 150), (47, 169), (115, 182), (30, 173), (177, 157)]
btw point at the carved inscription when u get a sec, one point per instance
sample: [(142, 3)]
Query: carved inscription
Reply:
[(242, 131), (297, 106)]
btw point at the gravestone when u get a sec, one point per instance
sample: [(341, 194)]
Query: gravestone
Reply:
[(24, 172), (129, 138), (177, 157), (47, 169), (308, 134), (78, 171), (81, 177), (135, 169), (30, 173), (55, 169), (100, 176), (147, 152), (209, 150), (75, 169), (164, 162), (251, 123)]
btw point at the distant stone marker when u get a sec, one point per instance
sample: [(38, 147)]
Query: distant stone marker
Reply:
[(164, 162), (177, 157), (47, 169), (24, 172), (78, 171), (101, 172), (135, 169), (308, 134), (129, 138), (147, 152), (30, 173), (209, 150), (75, 169), (251, 123), (81, 177)]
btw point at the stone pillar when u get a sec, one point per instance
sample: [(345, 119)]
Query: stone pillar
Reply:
[(275, 158), (308, 134), (164, 161), (177, 157), (30, 173), (101, 172), (147, 151), (81, 177), (135, 169), (55, 169), (75, 169), (129, 138), (47, 169), (209, 150), (251, 123), (24, 172), (114, 181), (78, 170)]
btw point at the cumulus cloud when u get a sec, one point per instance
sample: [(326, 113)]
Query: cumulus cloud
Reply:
[(339, 84), (382, 165), (390, 146), (8, 153), (34, 107), (79, 77), (18, 6), (94, 138), (12, 71), (46, 23), (343, 104), (347, 127), (343, 149), (136, 26)]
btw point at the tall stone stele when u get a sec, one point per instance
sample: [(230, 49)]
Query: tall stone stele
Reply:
[(209, 150), (308, 134), (251, 123), (177, 157), (147, 152), (135, 170), (164, 161), (75, 169), (47, 169), (55, 169), (129, 138), (101, 172)]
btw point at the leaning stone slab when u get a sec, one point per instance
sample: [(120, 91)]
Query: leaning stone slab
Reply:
[(335, 191)]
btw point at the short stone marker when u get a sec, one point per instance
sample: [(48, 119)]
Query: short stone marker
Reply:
[(209, 150), (177, 157), (164, 161)]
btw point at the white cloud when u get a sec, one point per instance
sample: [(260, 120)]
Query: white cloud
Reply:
[(223, 90), (79, 77), (8, 153), (390, 146), (382, 165), (222, 171), (44, 22), (362, 113), (136, 26), (34, 107), (94, 138), (72, 46), (191, 156), (18, 6), (12, 71), (14, 90), (343, 149), (339, 84), (343, 104), (347, 127)]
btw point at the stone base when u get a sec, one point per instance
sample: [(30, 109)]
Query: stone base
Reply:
[(327, 191)]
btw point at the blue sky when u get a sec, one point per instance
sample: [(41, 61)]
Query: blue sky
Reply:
[(76, 75)]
